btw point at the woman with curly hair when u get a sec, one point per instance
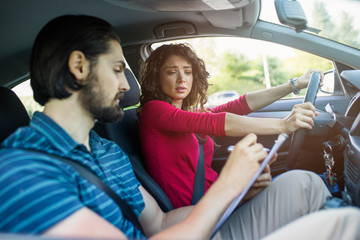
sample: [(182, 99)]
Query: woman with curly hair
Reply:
[(174, 83)]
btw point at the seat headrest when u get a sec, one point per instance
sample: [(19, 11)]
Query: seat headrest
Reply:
[(132, 97), (12, 113)]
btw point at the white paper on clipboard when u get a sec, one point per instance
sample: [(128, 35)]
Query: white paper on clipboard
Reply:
[(280, 140)]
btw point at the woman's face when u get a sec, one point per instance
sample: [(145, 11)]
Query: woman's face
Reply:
[(176, 79)]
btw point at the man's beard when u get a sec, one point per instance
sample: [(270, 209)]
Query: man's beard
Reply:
[(92, 98)]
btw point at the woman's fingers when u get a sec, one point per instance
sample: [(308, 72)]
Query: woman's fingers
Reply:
[(304, 79), (302, 116)]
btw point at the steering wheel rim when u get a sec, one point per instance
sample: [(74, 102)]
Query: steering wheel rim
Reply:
[(298, 137)]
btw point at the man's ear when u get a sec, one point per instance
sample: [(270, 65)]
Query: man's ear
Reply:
[(78, 64)]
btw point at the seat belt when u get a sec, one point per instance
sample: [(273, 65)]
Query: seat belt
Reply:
[(97, 181), (199, 182)]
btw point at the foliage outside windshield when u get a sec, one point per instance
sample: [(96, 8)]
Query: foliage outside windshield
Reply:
[(245, 65), (338, 20)]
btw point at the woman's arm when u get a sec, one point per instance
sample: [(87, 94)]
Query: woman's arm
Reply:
[(302, 116), (162, 116), (259, 99)]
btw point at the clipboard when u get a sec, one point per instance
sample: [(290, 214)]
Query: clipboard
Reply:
[(280, 140)]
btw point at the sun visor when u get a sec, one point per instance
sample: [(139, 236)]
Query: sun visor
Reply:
[(230, 19)]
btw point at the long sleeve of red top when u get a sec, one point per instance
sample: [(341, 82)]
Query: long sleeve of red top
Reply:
[(171, 148)]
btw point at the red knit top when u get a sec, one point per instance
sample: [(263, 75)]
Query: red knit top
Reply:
[(171, 148)]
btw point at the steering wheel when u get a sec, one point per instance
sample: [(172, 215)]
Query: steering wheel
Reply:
[(298, 137)]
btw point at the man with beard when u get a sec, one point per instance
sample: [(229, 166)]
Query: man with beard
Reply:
[(77, 73)]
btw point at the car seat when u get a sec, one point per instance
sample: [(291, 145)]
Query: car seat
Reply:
[(12, 111), (125, 133)]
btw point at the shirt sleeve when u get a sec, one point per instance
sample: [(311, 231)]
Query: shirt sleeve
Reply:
[(238, 106), (31, 191), (163, 116)]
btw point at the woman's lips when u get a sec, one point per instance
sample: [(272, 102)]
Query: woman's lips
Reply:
[(181, 89)]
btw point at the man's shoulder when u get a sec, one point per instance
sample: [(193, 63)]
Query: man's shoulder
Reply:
[(24, 149), (22, 159), (18, 144), (21, 137)]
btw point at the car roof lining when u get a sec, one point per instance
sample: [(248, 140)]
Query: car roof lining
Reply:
[(180, 5), (133, 26)]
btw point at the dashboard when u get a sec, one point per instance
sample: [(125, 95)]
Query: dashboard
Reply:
[(350, 125)]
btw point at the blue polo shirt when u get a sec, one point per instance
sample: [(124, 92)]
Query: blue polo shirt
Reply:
[(37, 191)]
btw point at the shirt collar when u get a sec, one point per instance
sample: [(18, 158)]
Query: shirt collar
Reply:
[(53, 132), (96, 141)]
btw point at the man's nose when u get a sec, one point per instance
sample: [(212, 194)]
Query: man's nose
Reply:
[(124, 84)]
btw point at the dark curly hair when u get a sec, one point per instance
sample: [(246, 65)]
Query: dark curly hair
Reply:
[(150, 76)]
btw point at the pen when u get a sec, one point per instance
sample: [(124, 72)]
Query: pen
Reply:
[(231, 148)]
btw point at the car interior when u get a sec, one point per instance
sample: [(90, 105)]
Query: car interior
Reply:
[(334, 141)]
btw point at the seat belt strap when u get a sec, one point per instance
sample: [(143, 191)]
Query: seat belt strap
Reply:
[(199, 182), (98, 182)]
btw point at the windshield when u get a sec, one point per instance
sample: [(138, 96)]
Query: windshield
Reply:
[(335, 18)]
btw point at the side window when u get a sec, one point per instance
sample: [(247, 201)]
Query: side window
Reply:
[(25, 93), (239, 65)]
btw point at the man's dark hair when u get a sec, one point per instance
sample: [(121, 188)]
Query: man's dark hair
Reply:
[(49, 71)]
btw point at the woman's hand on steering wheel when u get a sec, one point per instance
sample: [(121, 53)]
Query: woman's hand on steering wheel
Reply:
[(298, 137), (303, 81), (301, 116)]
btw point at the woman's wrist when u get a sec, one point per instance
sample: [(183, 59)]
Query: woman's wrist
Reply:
[(301, 82), (283, 126), (294, 85)]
